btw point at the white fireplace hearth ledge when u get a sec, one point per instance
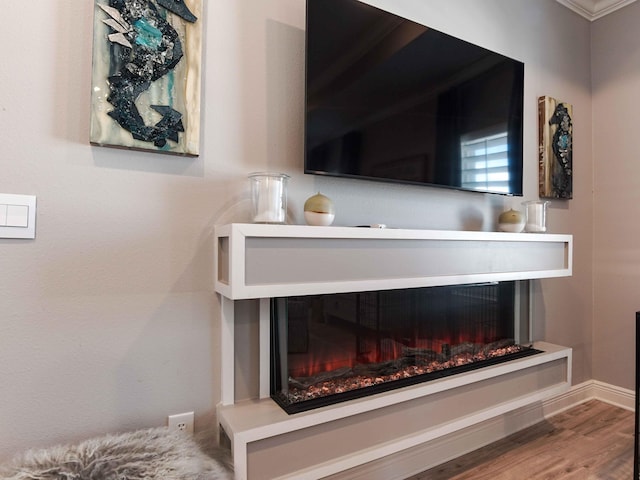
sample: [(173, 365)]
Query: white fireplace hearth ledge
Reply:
[(252, 423), (263, 261)]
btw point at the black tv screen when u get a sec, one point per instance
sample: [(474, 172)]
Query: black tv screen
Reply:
[(390, 99)]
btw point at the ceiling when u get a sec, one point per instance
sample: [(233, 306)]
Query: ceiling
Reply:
[(594, 9)]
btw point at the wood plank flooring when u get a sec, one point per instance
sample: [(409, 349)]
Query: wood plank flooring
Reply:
[(593, 441)]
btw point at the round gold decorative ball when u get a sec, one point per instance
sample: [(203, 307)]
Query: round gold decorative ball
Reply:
[(319, 210), (511, 221)]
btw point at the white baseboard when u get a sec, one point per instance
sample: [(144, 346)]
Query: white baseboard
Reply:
[(620, 397), (437, 452), (590, 390)]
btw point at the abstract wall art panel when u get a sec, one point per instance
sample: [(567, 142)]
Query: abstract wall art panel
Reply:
[(555, 143), (146, 75)]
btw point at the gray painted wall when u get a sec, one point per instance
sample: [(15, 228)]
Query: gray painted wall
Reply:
[(107, 319), (616, 83)]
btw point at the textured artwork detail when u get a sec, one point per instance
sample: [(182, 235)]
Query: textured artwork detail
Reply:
[(146, 75), (555, 134)]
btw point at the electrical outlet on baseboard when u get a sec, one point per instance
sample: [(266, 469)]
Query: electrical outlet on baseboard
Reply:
[(182, 422)]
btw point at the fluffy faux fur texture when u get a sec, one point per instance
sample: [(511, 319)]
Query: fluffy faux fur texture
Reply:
[(154, 454)]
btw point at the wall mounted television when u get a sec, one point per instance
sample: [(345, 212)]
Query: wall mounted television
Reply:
[(392, 100)]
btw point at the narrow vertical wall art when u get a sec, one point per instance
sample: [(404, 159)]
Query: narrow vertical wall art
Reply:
[(146, 75), (555, 143)]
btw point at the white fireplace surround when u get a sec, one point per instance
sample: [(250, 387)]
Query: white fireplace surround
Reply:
[(256, 261)]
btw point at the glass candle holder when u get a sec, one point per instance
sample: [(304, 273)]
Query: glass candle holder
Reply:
[(536, 216), (268, 197)]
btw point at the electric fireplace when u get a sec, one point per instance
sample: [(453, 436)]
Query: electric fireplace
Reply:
[(283, 287), (331, 348)]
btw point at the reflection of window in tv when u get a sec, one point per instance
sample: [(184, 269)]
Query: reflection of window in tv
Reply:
[(484, 162)]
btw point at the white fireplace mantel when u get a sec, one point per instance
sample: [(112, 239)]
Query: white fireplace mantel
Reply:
[(262, 261)]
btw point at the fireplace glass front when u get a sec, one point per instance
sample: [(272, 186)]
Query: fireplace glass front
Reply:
[(332, 348)]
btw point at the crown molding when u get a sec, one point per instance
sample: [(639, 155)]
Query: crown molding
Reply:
[(594, 9)]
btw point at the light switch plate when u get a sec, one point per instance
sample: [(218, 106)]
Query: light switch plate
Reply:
[(17, 216)]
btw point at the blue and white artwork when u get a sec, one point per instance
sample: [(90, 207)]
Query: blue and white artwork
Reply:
[(555, 143), (146, 75)]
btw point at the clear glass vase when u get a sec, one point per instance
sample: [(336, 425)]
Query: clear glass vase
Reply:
[(536, 216), (268, 197)]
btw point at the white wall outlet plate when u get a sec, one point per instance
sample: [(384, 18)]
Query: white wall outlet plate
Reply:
[(182, 422)]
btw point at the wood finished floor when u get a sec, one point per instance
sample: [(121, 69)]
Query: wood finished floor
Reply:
[(593, 441)]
